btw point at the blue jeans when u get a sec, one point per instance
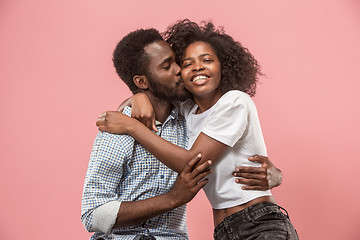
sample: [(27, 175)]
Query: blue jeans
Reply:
[(264, 220)]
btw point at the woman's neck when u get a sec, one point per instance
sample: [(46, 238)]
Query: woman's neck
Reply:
[(206, 102)]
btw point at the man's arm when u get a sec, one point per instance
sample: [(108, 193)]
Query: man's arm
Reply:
[(100, 198), (187, 185), (259, 178), (101, 209)]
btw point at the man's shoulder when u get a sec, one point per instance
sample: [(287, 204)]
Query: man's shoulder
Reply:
[(127, 111), (114, 138), (110, 151), (113, 142)]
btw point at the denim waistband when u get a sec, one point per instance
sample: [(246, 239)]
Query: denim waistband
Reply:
[(252, 211)]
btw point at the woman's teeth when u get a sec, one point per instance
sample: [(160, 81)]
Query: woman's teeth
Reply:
[(199, 78)]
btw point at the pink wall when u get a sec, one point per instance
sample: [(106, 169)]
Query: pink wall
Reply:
[(57, 76)]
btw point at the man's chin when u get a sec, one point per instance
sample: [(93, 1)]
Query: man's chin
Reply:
[(182, 95)]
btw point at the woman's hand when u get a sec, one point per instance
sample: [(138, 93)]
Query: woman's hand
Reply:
[(141, 109), (115, 122)]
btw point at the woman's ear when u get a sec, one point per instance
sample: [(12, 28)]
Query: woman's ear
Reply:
[(141, 82)]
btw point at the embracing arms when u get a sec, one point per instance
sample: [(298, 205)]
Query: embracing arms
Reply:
[(255, 178), (116, 122)]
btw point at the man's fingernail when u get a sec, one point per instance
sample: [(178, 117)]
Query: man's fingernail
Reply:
[(209, 162), (199, 155)]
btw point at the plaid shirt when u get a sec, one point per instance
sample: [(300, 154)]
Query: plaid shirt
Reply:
[(120, 169)]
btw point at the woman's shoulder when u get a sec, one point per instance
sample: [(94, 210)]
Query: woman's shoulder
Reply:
[(236, 96)]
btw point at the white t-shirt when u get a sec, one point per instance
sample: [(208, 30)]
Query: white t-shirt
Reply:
[(232, 120)]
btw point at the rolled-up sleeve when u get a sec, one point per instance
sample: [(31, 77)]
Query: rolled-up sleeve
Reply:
[(104, 217)]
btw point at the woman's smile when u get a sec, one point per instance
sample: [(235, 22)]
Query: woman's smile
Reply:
[(199, 79)]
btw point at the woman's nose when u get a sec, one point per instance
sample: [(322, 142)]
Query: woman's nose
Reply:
[(197, 66)]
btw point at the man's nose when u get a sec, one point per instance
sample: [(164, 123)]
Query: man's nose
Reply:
[(177, 69)]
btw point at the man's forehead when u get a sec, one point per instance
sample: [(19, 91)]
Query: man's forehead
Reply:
[(159, 49)]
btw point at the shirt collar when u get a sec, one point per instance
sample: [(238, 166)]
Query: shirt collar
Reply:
[(173, 115)]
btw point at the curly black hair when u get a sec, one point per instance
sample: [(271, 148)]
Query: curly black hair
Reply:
[(130, 58), (239, 69)]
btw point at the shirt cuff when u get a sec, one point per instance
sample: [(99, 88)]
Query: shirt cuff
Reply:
[(104, 217)]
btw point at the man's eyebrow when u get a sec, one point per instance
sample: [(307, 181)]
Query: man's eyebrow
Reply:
[(166, 60)]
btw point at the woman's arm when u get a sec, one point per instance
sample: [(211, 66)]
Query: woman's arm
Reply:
[(141, 109), (171, 155)]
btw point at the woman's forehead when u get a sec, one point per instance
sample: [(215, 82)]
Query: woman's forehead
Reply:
[(197, 49)]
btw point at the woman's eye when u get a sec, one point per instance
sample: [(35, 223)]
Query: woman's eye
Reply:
[(184, 65), (207, 60)]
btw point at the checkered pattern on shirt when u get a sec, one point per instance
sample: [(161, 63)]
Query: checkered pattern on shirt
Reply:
[(121, 169)]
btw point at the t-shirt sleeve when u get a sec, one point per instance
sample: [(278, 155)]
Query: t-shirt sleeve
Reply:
[(229, 118)]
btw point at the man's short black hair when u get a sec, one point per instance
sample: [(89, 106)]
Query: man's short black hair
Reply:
[(129, 56)]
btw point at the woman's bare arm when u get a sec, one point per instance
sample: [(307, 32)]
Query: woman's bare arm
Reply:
[(171, 155)]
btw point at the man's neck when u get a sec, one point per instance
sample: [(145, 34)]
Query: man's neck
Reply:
[(161, 107)]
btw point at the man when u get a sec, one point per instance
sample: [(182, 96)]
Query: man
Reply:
[(128, 193)]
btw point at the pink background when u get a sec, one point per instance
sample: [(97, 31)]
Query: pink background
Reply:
[(57, 76)]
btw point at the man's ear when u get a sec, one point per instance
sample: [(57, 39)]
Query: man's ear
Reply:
[(141, 82)]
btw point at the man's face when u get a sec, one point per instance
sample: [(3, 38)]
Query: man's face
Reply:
[(163, 72)]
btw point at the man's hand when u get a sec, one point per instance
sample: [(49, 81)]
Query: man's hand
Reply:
[(259, 178), (190, 181)]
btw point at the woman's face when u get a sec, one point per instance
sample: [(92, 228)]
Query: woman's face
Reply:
[(201, 70)]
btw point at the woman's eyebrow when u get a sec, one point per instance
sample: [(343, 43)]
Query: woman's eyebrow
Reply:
[(202, 55), (184, 59), (205, 54)]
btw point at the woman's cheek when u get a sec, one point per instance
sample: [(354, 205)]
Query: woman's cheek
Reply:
[(182, 74)]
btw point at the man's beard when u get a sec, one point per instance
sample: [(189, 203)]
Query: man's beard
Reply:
[(184, 95), (162, 91)]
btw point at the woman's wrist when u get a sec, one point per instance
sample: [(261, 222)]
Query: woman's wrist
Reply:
[(131, 126)]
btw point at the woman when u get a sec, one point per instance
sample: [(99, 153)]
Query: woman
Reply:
[(223, 126)]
